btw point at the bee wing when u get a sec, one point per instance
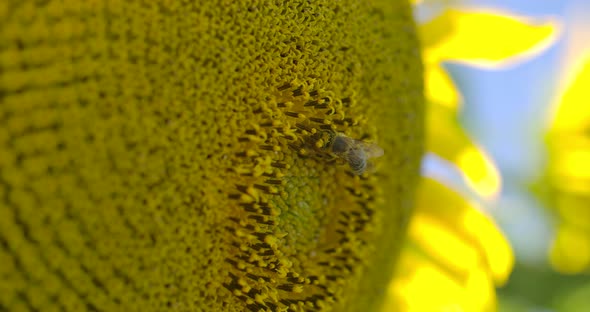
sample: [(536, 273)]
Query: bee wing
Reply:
[(372, 150)]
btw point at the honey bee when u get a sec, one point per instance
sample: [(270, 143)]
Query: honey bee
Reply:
[(357, 153)]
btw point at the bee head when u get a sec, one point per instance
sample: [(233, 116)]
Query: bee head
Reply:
[(340, 145)]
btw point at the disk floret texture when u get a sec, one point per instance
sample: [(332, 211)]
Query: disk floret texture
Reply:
[(175, 155)]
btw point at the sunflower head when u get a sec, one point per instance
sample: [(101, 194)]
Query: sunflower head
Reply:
[(177, 155)]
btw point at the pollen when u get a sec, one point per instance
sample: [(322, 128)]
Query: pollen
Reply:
[(175, 156)]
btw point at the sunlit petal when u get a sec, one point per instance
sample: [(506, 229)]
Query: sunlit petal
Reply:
[(447, 139), (483, 38), (454, 254), (426, 286), (573, 111), (569, 174), (440, 89), (443, 243), (494, 245), (468, 223), (479, 171), (571, 168)]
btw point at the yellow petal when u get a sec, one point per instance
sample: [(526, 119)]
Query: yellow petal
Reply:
[(569, 174), (423, 286), (492, 242), (447, 139), (468, 223), (479, 171), (443, 244), (570, 250), (453, 258), (482, 38), (570, 168), (439, 88), (573, 112)]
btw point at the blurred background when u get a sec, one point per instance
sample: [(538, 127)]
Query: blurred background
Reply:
[(509, 109)]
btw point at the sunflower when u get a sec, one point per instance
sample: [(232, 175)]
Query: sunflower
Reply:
[(177, 155), (455, 256), (568, 174)]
